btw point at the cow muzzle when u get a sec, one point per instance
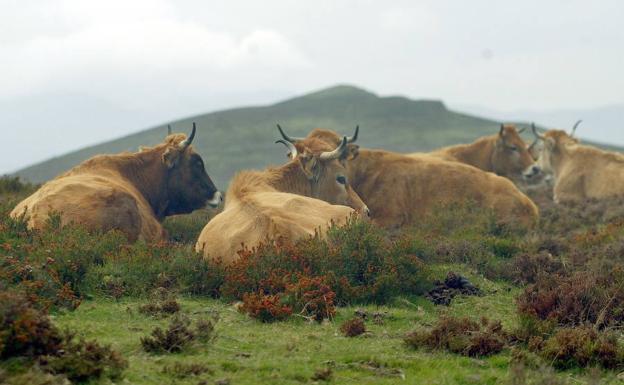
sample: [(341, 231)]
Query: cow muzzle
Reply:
[(531, 172), (216, 200)]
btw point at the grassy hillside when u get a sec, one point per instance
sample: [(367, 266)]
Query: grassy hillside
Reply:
[(243, 138)]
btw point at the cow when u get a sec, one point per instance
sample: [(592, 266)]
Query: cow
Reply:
[(400, 189), (579, 171), (504, 154), (129, 192), (290, 202)]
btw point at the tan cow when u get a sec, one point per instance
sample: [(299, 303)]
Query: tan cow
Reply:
[(288, 202), (580, 171), (400, 189), (130, 192), (504, 154)]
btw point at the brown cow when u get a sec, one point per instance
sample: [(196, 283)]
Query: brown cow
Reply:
[(504, 154), (580, 171), (281, 202), (400, 189), (130, 192)]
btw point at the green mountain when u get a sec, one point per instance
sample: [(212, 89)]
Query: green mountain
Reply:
[(244, 138)]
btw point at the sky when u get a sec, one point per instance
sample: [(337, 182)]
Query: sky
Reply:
[(77, 72)]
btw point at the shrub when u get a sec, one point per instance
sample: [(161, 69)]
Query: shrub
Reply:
[(322, 374), (178, 335), (353, 327), (461, 335), (583, 298), (266, 308), (526, 267), (84, 360), (312, 298), (583, 347), (25, 330)]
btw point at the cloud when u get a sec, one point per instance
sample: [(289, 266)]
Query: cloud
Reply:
[(115, 43)]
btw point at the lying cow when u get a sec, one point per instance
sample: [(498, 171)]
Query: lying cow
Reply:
[(130, 192), (579, 171), (504, 154), (400, 189), (288, 202)]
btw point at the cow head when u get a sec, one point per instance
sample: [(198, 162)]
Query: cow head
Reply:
[(511, 157), (323, 165), (188, 185), (554, 143)]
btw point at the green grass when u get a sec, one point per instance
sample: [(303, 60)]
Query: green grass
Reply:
[(249, 352)]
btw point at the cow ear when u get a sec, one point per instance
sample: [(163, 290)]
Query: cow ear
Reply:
[(310, 165), (171, 157)]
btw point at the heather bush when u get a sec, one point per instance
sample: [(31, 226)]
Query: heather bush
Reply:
[(25, 330), (462, 336), (353, 327), (584, 297), (179, 335), (357, 262), (265, 307), (583, 347), (81, 360), (311, 298), (186, 228)]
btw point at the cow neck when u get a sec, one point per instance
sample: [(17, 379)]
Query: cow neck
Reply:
[(289, 178), (559, 158), (478, 153), (148, 174)]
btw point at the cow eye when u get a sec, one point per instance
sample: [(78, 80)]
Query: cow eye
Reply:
[(512, 148), (341, 179)]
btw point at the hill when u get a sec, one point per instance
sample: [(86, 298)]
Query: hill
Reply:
[(243, 138)]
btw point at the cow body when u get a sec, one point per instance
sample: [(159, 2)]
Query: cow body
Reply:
[(130, 192), (401, 189), (280, 203), (580, 172)]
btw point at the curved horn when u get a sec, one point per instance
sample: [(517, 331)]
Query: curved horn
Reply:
[(291, 147), (352, 139), (501, 129), (187, 142), (574, 127), (290, 139), (537, 134), (337, 152), (520, 131), (168, 129)]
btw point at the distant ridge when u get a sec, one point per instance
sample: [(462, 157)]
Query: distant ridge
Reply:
[(243, 138)]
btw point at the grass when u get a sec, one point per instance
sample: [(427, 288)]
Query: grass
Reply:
[(249, 352)]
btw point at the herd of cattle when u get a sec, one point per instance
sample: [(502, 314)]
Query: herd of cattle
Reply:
[(327, 179)]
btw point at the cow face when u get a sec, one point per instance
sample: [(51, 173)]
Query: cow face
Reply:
[(553, 143), (323, 165), (511, 157), (189, 186)]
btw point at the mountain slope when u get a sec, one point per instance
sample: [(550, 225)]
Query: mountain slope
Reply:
[(244, 138)]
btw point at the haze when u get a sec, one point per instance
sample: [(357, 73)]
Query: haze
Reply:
[(75, 72)]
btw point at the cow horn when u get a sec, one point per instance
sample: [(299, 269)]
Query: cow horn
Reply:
[(337, 152), (537, 134), (187, 142), (520, 131), (501, 129), (286, 137), (574, 127), (291, 147), (168, 129), (352, 139)]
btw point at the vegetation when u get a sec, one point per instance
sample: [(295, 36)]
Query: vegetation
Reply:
[(78, 306)]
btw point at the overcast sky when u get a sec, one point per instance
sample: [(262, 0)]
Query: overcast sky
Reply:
[(76, 72)]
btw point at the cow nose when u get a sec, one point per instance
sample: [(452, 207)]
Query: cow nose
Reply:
[(366, 211)]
